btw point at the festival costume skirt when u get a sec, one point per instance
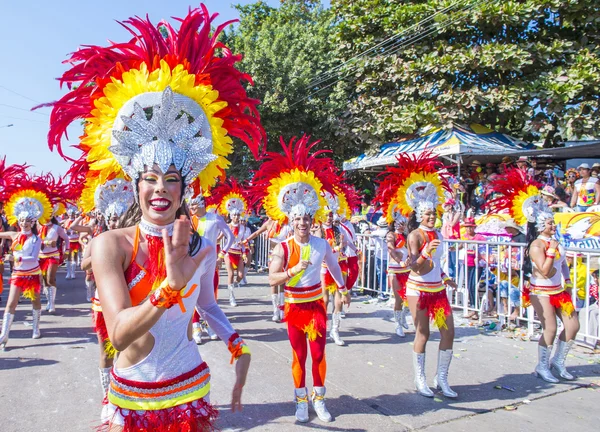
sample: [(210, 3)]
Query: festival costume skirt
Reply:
[(559, 298), (402, 278), (74, 245), (310, 316), (28, 281), (100, 328), (46, 260), (234, 258), (432, 298), (330, 284), (179, 404)]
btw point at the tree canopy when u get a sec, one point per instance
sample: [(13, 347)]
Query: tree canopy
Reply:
[(529, 68)]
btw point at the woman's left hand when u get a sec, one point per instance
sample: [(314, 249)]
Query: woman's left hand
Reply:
[(242, 365)]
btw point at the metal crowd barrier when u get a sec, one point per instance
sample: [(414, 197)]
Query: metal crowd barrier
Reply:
[(494, 283)]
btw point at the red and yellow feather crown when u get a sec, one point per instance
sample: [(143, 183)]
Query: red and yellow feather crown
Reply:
[(167, 96)]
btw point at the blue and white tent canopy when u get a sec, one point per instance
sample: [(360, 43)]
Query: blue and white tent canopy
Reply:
[(459, 140)]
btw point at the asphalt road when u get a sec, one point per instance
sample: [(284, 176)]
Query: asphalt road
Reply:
[(51, 384)]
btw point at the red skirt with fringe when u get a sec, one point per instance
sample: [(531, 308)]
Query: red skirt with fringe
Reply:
[(45, 263), (28, 281), (234, 259), (437, 306), (195, 416), (102, 332), (564, 302), (402, 278), (310, 317), (74, 246)]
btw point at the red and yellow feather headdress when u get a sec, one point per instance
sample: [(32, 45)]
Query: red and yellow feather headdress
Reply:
[(230, 197), (167, 96), (520, 196), (415, 185), (295, 179)]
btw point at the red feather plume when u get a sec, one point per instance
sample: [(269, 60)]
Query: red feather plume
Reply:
[(12, 178), (193, 45), (508, 186)]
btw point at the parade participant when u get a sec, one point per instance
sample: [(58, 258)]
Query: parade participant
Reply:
[(294, 183), (111, 200), (348, 202), (276, 233), (25, 206), (164, 109), (398, 269), (550, 282), (50, 254), (418, 189), (74, 245), (337, 241), (232, 200), (88, 227), (210, 226)]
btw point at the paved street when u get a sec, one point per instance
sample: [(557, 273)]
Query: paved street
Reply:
[(51, 384)]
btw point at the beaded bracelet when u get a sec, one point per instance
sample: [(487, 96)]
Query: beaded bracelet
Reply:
[(237, 347)]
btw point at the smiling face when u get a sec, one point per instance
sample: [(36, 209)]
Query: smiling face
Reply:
[(549, 227), (429, 217), (301, 225), (160, 194), (235, 218), (113, 222), (329, 219), (25, 224)]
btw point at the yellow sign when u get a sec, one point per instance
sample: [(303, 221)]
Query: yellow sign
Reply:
[(579, 230)]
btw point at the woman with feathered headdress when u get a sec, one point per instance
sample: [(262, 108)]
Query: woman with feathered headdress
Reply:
[(550, 282), (27, 204), (417, 189), (233, 202), (160, 110)]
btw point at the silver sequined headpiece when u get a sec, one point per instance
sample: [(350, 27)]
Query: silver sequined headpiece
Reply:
[(28, 209), (114, 198), (333, 204), (235, 206), (177, 133), (536, 210), (422, 196), (199, 201), (298, 199)]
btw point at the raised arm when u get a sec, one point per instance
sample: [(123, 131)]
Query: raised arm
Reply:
[(224, 228), (77, 226), (8, 235)]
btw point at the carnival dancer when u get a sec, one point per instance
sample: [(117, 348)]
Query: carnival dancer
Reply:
[(348, 202), (292, 185), (74, 245), (210, 226), (50, 254), (112, 200), (168, 107), (416, 188), (550, 283), (337, 241), (276, 233), (25, 206), (232, 200), (398, 270)]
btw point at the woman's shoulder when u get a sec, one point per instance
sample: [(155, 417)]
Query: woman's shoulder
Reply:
[(121, 238)]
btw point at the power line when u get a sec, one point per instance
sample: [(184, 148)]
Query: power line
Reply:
[(402, 44), (24, 109), (23, 119), (384, 42), (19, 94)]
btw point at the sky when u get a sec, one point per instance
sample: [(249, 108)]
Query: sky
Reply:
[(36, 37)]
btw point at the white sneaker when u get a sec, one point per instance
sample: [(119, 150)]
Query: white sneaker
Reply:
[(197, 333), (301, 405), (318, 403), (211, 334)]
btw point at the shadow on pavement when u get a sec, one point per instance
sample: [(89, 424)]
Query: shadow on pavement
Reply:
[(23, 362)]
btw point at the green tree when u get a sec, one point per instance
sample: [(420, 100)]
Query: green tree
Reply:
[(530, 68), (284, 49)]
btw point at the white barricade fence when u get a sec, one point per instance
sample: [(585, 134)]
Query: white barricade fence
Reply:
[(261, 252), (490, 280)]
